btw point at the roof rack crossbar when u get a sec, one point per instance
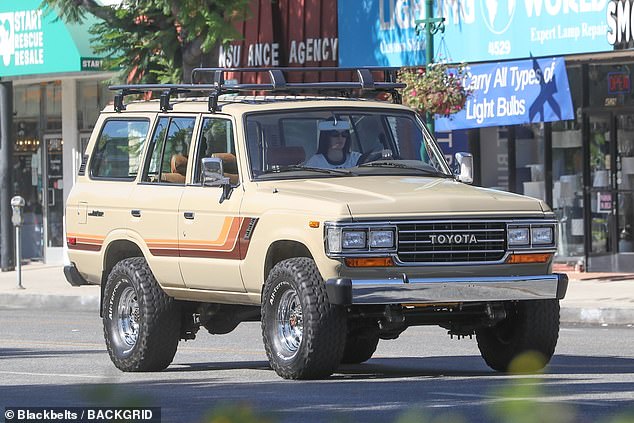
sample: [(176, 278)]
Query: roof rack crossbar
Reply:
[(277, 78), (119, 105), (365, 81)]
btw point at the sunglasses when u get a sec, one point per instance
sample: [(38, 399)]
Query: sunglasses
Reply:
[(338, 133)]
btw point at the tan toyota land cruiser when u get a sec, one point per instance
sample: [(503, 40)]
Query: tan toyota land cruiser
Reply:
[(333, 219)]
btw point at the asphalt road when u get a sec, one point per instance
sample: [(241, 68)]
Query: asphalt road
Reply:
[(51, 358)]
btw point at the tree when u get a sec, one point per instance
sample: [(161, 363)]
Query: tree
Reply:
[(154, 41)]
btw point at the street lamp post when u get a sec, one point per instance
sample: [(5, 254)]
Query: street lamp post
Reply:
[(431, 26)]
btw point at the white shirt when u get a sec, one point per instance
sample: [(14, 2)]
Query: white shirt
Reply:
[(318, 160)]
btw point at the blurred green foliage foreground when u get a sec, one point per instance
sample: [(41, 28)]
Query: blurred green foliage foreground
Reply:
[(524, 399)]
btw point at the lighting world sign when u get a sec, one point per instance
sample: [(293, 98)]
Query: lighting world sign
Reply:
[(383, 32)]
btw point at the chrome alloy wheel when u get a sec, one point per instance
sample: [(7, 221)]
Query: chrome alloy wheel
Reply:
[(128, 317), (290, 323)]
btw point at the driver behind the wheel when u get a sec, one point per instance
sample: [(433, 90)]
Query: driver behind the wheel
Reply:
[(333, 151)]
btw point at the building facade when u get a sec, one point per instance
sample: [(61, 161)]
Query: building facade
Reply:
[(575, 152), (566, 139), (58, 89)]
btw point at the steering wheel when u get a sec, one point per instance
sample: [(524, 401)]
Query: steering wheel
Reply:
[(368, 157)]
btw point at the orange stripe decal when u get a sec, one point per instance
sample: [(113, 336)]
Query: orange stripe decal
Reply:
[(232, 242), (84, 242)]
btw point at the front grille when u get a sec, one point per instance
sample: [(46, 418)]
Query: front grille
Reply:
[(451, 242)]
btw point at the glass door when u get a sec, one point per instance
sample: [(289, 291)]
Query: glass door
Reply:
[(601, 188), (611, 214), (53, 198), (625, 182)]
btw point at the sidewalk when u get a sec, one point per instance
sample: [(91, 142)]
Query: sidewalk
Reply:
[(592, 298)]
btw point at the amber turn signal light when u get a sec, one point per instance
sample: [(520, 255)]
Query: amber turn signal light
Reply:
[(529, 258), (370, 262)]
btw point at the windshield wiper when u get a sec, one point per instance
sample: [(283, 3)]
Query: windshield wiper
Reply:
[(295, 168), (397, 165)]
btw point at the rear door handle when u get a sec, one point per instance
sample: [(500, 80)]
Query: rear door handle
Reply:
[(189, 215), (135, 213)]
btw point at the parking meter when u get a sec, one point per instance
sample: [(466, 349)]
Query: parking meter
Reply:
[(17, 204)]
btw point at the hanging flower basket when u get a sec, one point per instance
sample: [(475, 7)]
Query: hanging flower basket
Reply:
[(437, 89)]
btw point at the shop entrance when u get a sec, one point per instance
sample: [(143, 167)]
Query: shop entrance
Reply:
[(53, 198), (610, 194)]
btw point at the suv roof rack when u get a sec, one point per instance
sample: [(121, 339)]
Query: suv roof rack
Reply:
[(277, 83)]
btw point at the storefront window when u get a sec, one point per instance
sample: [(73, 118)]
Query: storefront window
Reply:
[(567, 168), (92, 97), (610, 85), (494, 157), (54, 107), (529, 160), (27, 164)]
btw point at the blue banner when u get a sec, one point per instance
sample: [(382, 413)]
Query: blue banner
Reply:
[(383, 32), (512, 93)]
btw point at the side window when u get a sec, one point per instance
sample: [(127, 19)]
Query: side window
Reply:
[(216, 140), (117, 154), (169, 150)]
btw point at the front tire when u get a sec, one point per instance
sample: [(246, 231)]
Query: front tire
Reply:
[(304, 335), (530, 326), (141, 323)]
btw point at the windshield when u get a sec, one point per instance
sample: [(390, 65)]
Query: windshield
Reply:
[(344, 142)]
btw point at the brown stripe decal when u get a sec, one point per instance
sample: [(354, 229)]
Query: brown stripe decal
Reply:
[(84, 247), (232, 244), (84, 242)]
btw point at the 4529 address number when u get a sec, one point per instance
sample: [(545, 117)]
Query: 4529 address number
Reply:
[(499, 48)]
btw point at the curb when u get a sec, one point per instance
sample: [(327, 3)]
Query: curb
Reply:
[(597, 316), (50, 302)]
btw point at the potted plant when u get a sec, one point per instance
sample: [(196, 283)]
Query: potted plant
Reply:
[(438, 88)]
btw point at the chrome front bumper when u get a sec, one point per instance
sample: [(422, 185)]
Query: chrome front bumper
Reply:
[(446, 290)]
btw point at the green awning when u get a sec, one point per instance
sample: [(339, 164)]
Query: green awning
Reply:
[(35, 43)]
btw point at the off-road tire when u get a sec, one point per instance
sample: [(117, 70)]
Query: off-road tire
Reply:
[(294, 302), (361, 343), (132, 290), (530, 326)]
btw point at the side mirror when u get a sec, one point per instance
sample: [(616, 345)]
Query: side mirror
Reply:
[(213, 172), (465, 167), (214, 176)]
